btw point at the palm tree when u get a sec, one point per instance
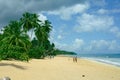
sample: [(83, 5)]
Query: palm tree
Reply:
[(15, 43), (17, 36), (42, 31), (15, 40), (47, 26), (42, 34), (1, 36), (26, 21), (29, 21)]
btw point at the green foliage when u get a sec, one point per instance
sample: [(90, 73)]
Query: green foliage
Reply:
[(24, 57), (15, 42), (29, 21), (12, 52), (62, 52), (1, 36), (37, 52)]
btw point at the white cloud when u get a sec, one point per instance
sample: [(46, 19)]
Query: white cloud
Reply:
[(115, 11), (88, 23), (62, 46), (116, 31), (52, 35), (105, 11), (100, 3), (114, 45), (66, 12), (59, 37), (76, 45), (102, 46), (102, 11), (95, 46), (42, 17)]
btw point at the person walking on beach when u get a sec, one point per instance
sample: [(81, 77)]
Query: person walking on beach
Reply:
[(75, 59)]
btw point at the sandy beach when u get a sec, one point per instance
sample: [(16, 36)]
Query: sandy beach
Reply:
[(59, 68)]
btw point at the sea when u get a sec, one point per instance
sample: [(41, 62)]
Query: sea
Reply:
[(112, 59)]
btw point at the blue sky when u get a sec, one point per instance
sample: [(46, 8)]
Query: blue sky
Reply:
[(82, 26), (90, 27)]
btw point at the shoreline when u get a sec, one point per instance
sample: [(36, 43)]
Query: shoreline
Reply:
[(103, 62), (94, 60), (58, 68)]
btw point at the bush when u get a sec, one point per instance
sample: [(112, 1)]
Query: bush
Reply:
[(24, 57), (37, 52), (13, 52)]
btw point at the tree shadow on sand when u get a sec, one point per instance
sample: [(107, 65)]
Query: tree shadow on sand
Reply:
[(13, 65)]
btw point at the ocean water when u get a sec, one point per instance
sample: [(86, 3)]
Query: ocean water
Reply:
[(113, 59)]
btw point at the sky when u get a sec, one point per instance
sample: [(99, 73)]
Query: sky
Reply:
[(81, 26)]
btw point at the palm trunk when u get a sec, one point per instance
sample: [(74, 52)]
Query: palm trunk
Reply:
[(31, 34)]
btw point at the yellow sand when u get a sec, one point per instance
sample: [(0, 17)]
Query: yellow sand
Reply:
[(59, 68)]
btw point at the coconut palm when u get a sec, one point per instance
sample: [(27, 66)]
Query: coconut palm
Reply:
[(42, 31), (16, 36), (26, 21), (47, 27), (29, 21), (15, 43), (15, 40), (40, 34)]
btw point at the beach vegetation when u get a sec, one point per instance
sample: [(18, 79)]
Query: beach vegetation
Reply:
[(16, 43), (63, 52)]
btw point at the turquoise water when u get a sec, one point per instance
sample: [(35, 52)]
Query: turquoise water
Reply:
[(113, 59)]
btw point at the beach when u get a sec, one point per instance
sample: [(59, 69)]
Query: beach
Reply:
[(58, 68)]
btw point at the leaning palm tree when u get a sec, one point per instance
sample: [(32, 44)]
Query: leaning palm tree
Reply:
[(42, 31), (42, 35), (26, 21), (47, 26), (29, 21)]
